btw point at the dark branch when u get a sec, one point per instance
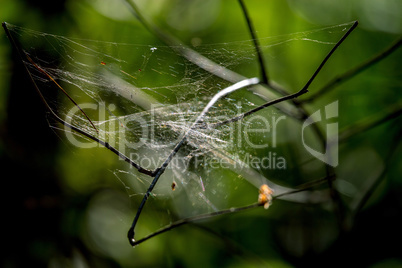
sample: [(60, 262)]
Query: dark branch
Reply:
[(353, 72)]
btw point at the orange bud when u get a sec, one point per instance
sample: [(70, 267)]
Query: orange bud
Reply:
[(265, 196)]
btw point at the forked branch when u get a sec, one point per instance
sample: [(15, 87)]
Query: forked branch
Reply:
[(228, 211)]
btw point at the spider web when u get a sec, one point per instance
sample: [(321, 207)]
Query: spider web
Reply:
[(142, 98)]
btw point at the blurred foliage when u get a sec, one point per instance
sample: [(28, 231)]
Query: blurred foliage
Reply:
[(64, 208)]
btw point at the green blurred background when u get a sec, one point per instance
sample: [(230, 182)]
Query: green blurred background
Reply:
[(53, 194)]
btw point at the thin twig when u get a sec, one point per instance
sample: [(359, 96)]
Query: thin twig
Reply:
[(391, 154), (227, 211), (263, 69), (367, 125), (353, 72), (193, 219)]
